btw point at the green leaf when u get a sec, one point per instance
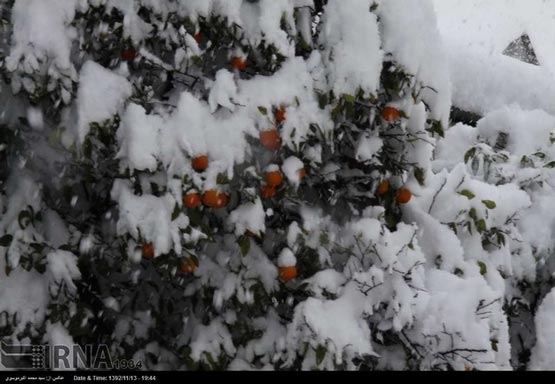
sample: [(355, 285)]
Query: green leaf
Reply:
[(489, 203), (350, 99), (6, 240), (390, 220), (244, 244), (37, 247), (188, 24), (210, 360), (438, 260), (419, 175), (195, 260), (459, 272), (467, 193), (336, 111), (24, 121), (551, 164), (483, 267), (323, 100), (437, 128), (324, 238), (24, 219), (293, 132), (500, 238), (176, 212), (525, 162), (197, 60), (195, 217), (476, 164), (320, 354), (222, 179), (87, 148), (155, 189), (494, 345), (481, 225), (469, 154), (263, 110), (472, 213)]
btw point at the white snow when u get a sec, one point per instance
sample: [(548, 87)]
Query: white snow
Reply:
[(222, 91), (147, 217), (291, 168), (528, 131), (476, 32), (249, 216), (62, 267), (41, 32), (272, 168), (409, 32), (133, 26), (291, 83), (35, 118), (139, 134), (484, 82), (353, 57), (274, 335), (336, 324), (58, 335), (213, 339), (328, 281), (24, 294), (55, 229), (368, 147), (286, 258), (101, 95), (453, 310), (479, 224), (543, 353), (489, 26)]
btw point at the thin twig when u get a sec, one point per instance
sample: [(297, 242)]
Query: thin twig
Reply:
[(436, 194)]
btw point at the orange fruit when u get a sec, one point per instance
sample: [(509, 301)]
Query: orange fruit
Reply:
[(210, 198), (148, 250), (187, 266), (273, 178), (270, 139), (250, 234), (200, 163), (390, 114), (301, 173), (403, 195), (198, 37), (280, 114), (267, 191), (222, 200), (191, 200), (383, 187), (287, 273), (128, 54), (238, 63)]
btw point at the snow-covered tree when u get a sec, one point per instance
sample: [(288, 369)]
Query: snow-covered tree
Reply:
[(229, 184)]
